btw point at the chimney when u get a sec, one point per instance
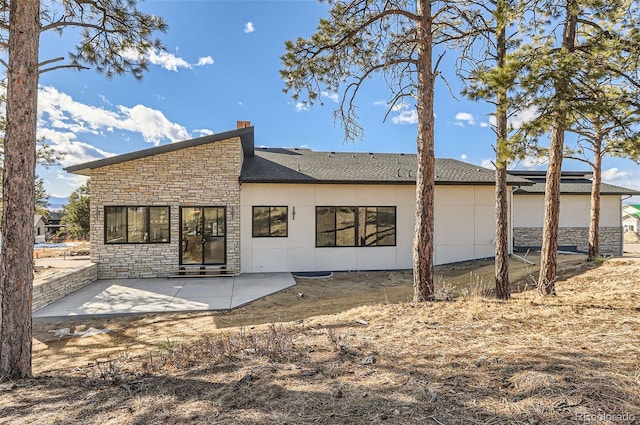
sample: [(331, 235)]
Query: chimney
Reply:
[(243, 124)]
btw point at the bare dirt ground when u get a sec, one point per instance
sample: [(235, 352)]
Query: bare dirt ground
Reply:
[(353, 351), (50, 260)]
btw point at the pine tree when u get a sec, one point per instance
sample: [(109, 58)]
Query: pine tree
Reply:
[(107, 29), (361, 38), (75, 215)]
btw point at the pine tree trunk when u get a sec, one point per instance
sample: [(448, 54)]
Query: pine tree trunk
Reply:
[(423, 258), (548, 256), (594, 219), (16, 262), (503, 290), (502, 225)]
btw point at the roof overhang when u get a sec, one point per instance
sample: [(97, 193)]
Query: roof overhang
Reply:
[(245, 134)]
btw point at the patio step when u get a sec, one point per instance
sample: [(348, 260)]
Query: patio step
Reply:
[(201, 271)]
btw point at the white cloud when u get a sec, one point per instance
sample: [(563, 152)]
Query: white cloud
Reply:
[(152, 124), (406, 114), (249, 28), (63, 121), (166, 60), (529, 162), (465, 118), (484, 124), (614, 174), (75, 151), (516, 120), (301, 106), (629, 179), (204, 131), (332, 96), (522, 117), (532, 162), (487, 163), (205, 60), (73, 180), (463, 157)]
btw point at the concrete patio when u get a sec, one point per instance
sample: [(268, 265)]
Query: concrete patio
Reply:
[(162, 295)]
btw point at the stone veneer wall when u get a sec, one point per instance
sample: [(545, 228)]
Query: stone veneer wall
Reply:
[(204, 175), (52, 288), (610, 238)]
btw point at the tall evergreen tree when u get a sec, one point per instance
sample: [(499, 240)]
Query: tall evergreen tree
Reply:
[(611, 128), (75, 215), (107, 29), (361, 38), (562, 67), (41, 197), (489, 74)]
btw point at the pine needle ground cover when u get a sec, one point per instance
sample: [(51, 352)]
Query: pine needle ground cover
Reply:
[(574, 358)]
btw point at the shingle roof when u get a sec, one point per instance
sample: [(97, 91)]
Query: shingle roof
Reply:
[(281, 165), (571, 183)]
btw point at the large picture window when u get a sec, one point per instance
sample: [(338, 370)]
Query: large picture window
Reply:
[(270, 222), (355, 226), (136, 225)]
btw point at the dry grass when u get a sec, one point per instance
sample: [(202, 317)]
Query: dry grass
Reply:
[(570, 359)]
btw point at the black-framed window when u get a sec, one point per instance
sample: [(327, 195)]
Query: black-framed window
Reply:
[(270, 222), (355, 226), (136, 224)]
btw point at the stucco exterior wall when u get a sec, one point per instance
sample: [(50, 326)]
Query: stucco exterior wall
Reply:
[(204, 175), (463, 219), (528, 210), (528, 217)]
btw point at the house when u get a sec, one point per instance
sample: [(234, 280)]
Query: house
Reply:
[(39, 228), (54, 225), (631, 218), (219, 201), (575, 207)]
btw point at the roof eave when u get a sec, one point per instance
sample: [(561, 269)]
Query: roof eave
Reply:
[(383, 182), (245, 135)]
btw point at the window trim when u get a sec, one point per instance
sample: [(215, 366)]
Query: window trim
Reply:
[(147, 223), (356, 225), (253, 234)]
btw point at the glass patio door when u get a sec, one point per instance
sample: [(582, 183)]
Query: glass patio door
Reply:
[(203, 235)]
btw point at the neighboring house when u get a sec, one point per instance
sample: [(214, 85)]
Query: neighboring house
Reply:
[(631, 218), (39, 228), (53, 222), (575, 206), (218, 201)]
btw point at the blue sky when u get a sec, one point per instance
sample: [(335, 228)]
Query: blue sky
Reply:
[(221, 65)]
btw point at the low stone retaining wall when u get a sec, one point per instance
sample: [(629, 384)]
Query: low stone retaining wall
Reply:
[(610, 238), (50, 289)]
